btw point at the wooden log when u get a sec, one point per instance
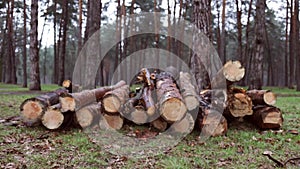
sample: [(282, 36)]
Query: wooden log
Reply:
[(113, 100), (32, 109), (233, 71), (75, 101), (262, 97), (139, 115), (239, 104), (171, 104), (188, 91), (148, 102), (213, 123), (88, 115), (185, 125), (111, 121), (145, 77), (53, 118), (160, 124), (266, 117), (67, 84)]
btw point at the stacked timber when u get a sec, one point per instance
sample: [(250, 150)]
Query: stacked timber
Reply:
[(160, 99)]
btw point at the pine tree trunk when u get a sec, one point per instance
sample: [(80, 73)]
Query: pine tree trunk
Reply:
[(24, 66), (297, 42), (34, 51)]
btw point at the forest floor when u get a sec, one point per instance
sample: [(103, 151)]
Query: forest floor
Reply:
[(242, 147)]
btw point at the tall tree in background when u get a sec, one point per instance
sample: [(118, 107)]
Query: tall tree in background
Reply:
[(292, 43), (286, 80), (246, 57), (65, 15), (56, 61), (223, 34), (80, 27), (24, 46), (10, 76), (256, 71), (297, 42), (202, 20), (34, 52), (239, 27)]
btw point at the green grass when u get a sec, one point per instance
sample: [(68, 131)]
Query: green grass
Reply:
[(242, 147)]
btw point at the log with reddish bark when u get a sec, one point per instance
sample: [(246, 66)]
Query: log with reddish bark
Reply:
[(32, 109), (113, 100), (188, 91), (88, 116), (239, 104), (170, 101), (75, 101), (262, 97), (266, 117)]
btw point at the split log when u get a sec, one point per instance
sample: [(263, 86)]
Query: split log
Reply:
[(53, 118), (146, 77), (32, 109), (113, 100), (262, 97), (75, 101), (88, 115), (266, 117), (188, 91), (160, 124), (185, 125), (212, 123), (148, 102), (239, 104), (111, 121), (171, 105), (67, 84)]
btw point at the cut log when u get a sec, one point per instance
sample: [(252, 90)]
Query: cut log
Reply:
[(32, 109), (148, 101), (262, 97), (188, 91), (213, 123), (53, 118), (233, 71), (67, 84), (160, 124), (75, 101), (171, 105), (139, 115), (185, 125), (145, 77), (266, 117), (113, 100), (114, 121), (239, 104), (89, 115)]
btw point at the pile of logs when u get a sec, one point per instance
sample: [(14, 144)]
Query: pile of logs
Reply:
[(163, 100)]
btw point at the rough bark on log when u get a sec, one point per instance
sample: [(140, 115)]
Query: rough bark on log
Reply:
[(145, 77), (113, 100), (262, 97), (160, 124), (185, 125), (188, 91), (171, 105), (67, 84), (88, 115), (32, 109), (213, 123), (75, 101), (148, 101), (239, 104), (111, 121), (266, 117), (53, 118)]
